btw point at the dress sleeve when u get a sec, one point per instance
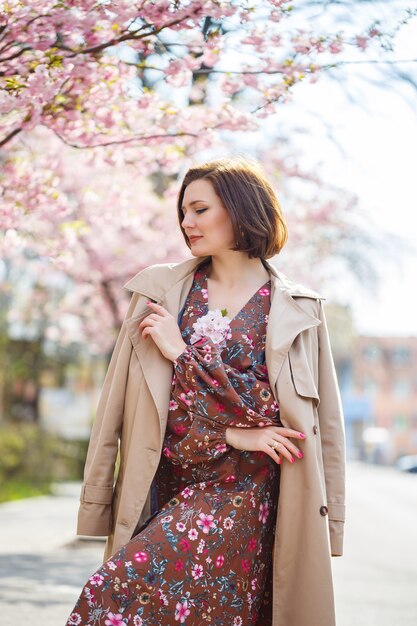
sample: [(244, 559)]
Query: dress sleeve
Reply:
[(216, 395)]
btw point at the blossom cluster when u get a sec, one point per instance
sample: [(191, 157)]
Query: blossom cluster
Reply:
[(215, 325)]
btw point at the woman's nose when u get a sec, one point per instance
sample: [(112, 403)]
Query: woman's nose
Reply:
[(186, 221)]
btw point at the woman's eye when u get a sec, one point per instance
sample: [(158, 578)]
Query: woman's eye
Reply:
[(200, 210)]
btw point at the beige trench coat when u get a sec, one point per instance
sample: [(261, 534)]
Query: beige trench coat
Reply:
[(133, 410)]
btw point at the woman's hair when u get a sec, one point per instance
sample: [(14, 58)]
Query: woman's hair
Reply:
[(258, 224)]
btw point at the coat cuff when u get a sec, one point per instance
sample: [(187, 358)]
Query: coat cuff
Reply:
[(336, 511), (95, 512), (96, 494)]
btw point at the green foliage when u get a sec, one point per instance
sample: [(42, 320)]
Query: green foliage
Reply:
[(31, 459)]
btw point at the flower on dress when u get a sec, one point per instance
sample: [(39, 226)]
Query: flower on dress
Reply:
[(214, 325), (96, 580), (137, 620), (201, 545), (163, 600), (187, 492), (114, 619), (180, 526), (263, 512), (237, 621), (265, 395), (182, 611), (205, 522), (197, 571), (228, 523), (144, 598), (192, 534), (252, 544), (74, 619), (184, 544), (111, 565), (141, 557), (246, 565), (219, 560)]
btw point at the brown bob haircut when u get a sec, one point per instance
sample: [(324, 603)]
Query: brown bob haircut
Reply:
[(258, 224)]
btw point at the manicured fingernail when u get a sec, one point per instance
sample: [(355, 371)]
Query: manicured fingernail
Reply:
[(302, 435), (279, 461), (292, 460), (300, 455)]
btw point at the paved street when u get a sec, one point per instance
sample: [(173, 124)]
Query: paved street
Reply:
[(376, 579), (42, 568)]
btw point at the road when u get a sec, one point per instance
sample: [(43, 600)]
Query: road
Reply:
[(43, 566), (376, 579)]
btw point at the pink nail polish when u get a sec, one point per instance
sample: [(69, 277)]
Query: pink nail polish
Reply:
[(292, 460), (300, 455), (302, 435)]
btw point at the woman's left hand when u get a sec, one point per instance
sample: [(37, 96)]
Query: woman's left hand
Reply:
[(164, 330)]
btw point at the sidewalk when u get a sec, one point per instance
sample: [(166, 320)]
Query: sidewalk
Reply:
[(43, 565)]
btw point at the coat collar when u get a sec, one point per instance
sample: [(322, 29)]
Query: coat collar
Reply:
[(169, 283), (171, 273)]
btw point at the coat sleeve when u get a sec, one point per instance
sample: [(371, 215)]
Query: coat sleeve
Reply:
[(332, 432), (94, 514)]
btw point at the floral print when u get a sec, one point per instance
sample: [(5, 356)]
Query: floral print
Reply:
[(205, 554)]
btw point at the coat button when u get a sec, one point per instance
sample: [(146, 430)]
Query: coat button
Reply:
[(324, 510), (315, 429)]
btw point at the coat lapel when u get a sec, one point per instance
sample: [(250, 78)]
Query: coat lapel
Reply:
[(157, 370), (286, 320)]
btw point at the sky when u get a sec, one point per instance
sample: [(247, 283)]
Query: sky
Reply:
[(373, 154)]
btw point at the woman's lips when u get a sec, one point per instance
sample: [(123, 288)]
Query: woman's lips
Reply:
[(194, 238)]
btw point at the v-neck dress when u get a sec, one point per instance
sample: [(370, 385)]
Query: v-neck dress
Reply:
[(205, 555)]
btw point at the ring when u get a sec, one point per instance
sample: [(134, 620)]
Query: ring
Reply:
[(274, 445)]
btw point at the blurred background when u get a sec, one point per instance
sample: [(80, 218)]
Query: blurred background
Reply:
[(103, 109)]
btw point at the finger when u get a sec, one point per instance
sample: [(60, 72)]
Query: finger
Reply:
[(157, 308), (288, 432), (281, 449), (148, 323), (270, 452), (292, 449)]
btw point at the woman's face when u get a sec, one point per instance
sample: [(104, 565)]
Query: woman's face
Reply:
[(206, 218)]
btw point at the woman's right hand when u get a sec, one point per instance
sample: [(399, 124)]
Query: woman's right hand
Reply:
[(261, 439)]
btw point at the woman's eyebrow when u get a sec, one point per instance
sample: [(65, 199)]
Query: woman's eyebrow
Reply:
[(192, 202)]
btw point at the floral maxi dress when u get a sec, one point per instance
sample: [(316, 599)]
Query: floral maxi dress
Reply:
[(205, 554)]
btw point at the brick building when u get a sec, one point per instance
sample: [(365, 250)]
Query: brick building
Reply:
[(378, 383)]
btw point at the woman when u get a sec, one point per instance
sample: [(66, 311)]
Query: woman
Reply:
[(229, 499)]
